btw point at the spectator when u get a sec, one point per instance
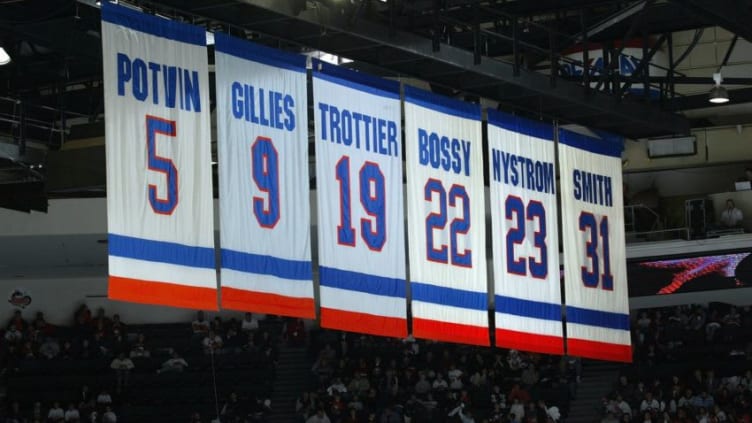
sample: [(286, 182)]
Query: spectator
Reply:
[(622, 406), (41, 326), (72, 414), (56, 414), (337, 387), (249, 324), (529, 376), (650, 404), (702, 401), (295, 332), (731, 216), (36, 412), (27, 351), (14, 414), (465, 417), (233, 341), (118, 324), (440, 384), (232, 409), (67, 351), (49, 349), (212, 343), (101, 319), (17, 321), (359, 385), (517, 409), (319, 417), (139, 350), (13, 335), (82, 316), (423, 386), (109, 416), (175, 363), (200, 326), (122, 366), (609, 418)]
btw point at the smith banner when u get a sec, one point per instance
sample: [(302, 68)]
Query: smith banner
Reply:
[(360, 202), (265, 224), (446, 215), (159, 194), (595, 265), (525, 234)]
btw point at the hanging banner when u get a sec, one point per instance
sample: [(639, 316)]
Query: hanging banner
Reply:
[(265, 222), (159, 193), (595, 275), (360, 202), (446, 215), (525, 234)]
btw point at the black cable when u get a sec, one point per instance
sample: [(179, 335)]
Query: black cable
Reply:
[(690, 47), (214, 382)]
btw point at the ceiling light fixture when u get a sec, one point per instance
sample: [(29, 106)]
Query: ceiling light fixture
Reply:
[(4, 57), (718, 94)]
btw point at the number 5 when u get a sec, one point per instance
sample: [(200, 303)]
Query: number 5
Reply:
[(154, 126)]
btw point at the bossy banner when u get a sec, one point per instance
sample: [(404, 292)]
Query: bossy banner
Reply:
[(360, 202), (159, 199), (446, 215), (592, 219), (525, 234), (262, 129)]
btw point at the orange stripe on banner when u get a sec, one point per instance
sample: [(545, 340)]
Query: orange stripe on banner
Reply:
[(524, 341), (599, 350), (161, 293), (363, 323), (263, 302), (451, 332)]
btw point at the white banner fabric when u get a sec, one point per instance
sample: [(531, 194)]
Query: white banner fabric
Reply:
[(157, 131), (360, 202), (525, 234), (446, 216), (595, 265), (265, 222)]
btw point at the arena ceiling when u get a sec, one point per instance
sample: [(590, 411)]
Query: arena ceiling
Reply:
[(510, 53)]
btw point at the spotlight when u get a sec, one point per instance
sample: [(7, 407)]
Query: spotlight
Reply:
[(718, 94), (4, 57)]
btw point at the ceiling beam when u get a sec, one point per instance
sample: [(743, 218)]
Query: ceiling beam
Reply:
[(732, 15), (700, 101), (635, 119)]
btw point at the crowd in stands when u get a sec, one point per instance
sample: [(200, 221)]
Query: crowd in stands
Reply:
[(371, 379), (98, 368), (692, 364)]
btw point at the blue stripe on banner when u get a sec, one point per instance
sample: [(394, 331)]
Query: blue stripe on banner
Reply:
[(361, 282), (160, 251), (258, 53), (442, 104), (357, 80), (153, 25), (603, 319), (449, 296), (528, 308), (607, 147), (354, 85), (521, 125), (267, 265)]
